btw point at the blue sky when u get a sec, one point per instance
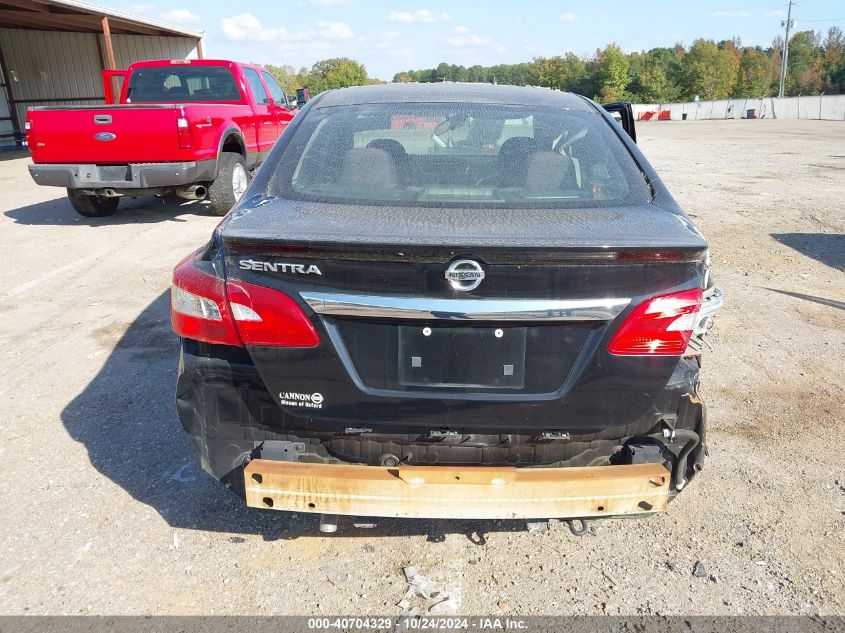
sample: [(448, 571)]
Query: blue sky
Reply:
[(392, 36)]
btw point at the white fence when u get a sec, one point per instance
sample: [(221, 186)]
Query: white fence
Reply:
[(823, 107)]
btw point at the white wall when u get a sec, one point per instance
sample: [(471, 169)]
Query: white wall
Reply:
[(826, 107)]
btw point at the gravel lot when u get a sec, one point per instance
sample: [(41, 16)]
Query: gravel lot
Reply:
[(105, 509)]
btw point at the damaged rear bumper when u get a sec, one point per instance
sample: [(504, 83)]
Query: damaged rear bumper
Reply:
[(443, 492)]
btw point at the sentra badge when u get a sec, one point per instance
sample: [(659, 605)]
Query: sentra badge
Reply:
[(279, 267)]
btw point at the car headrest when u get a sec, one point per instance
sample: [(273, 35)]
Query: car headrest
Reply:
[(367, 166), (394, 148), (517, 147), (547, 172)]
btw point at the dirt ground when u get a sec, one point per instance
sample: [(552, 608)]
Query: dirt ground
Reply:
[(105, 509)]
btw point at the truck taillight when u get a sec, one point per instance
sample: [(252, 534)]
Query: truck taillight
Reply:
[(660, 326), (186, 140), (27, 126), (203, 308)]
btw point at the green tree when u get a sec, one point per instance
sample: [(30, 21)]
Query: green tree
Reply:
[(650, 76), (286, 76), (709, 71), (804, 64), (613, 72), (339, 72), (755, 73), (562, 73)]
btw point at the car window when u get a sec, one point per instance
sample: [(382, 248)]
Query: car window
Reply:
[(182, 84), (458, 155), (261, 97), (276, 90)]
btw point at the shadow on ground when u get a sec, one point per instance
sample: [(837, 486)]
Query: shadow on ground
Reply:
[(126, 419), (13, 154), (58, 212), (839, 305), (827, 248)]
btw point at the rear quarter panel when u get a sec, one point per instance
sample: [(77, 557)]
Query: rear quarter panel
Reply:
[(211, 123)]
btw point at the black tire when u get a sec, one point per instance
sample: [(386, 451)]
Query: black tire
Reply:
[(222, 193), (92, 206)]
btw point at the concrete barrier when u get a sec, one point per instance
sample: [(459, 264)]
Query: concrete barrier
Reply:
[(813, 107)]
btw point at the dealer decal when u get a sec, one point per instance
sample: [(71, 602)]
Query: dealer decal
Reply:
[(304, 400)]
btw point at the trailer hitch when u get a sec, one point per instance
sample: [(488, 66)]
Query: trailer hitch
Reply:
[(579, 530)]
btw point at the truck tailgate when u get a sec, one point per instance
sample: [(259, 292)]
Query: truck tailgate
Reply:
[(105, 135)]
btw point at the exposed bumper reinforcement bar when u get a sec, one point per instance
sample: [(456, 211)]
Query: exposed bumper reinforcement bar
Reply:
[(445, 492)]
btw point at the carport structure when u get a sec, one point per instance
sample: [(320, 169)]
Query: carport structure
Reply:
[(53, 52)]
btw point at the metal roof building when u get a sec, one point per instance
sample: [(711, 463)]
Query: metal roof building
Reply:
[(53, 52)]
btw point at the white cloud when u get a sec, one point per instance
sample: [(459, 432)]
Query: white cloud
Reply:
[(731, 14), (180, 16), (568, 17), (423, 16), (246, 26), (327, 4), (142, 8), (463, 38), (334, 30), (777, 13)]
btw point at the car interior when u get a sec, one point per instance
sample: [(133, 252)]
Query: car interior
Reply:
[(481, 157)]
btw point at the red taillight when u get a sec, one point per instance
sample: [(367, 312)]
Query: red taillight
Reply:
[(661, 326), (183, 129), (237, 313), (268, 317), (198, 307)]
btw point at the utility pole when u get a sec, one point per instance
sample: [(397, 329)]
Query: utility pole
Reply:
[(788, 24)]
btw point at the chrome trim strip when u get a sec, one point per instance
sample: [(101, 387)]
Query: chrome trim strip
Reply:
[(373, 306)]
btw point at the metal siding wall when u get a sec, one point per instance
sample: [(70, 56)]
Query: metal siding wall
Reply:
[(6, 127), (61, 65), (52, 65), (135, 48)]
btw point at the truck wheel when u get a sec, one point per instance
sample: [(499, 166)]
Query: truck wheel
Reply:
[(230, 184), (92, 206)]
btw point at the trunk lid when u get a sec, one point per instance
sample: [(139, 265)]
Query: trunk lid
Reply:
[(400, 345), (105, 135)]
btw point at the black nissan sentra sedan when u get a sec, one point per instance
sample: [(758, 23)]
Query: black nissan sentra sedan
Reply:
[(449, 301)]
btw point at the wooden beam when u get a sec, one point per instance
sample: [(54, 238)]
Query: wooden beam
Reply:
[(109, 48), (49, 21), (27, 5), (200, 49), (73, 22), (457, 492)]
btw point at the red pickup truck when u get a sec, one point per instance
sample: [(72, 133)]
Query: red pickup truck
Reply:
[(191, 127)]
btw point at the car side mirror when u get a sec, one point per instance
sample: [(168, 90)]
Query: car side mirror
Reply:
[(623, 114)]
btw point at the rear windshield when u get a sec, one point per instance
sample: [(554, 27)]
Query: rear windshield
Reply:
[(182, 84), (456, 155)]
